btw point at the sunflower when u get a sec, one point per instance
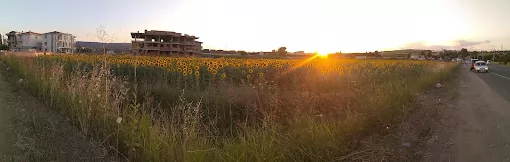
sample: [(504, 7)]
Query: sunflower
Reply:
[(223, 75), (248, 76), (251, 70), (197, 73), (261, 74), (214, 72), (197, 67), (243, 72), (179, 69)]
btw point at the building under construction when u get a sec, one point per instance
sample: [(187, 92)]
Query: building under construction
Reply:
[(165, 43)]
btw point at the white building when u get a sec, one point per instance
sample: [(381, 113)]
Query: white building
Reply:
[(2, 40), (58, 42), (54, 42)]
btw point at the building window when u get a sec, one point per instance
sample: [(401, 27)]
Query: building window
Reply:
[(45, 43)]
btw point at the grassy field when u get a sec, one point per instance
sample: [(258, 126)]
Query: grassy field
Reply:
[(205, 109)]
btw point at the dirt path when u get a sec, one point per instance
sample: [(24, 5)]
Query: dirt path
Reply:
[(7, 136), (476, 129), (30, 131)]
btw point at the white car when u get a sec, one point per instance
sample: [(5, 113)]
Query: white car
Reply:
[(481, 66)]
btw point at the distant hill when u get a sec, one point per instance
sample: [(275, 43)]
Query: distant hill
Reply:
[(117, 47)]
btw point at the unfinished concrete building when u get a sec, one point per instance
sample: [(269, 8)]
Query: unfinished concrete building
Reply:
[(165, 43)]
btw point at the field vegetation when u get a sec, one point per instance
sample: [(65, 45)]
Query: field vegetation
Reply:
[(217, 109)]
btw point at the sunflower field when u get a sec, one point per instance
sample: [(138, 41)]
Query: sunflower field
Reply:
[(227, 109)]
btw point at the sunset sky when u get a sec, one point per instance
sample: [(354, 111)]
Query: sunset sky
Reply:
[(261, 25)]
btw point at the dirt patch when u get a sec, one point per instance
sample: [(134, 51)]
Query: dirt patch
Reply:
[(30, 131), (409, 138), (476, 129), (7, 135)]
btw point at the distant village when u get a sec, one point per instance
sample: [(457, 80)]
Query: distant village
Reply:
[(169, 43)]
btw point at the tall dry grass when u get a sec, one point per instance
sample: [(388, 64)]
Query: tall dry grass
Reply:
[(155, 114)]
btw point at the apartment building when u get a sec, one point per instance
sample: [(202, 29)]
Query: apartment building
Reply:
[(54, 42), (3, 41), (25, 41), (165, 43), (58, 42)]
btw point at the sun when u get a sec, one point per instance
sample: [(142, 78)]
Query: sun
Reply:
[(322, 54)]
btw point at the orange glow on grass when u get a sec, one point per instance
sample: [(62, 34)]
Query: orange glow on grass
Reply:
[(300, 64)]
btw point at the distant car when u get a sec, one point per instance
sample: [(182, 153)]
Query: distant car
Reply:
[(489, 62), (481, 66)]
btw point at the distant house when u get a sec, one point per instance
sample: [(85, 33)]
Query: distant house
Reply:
[(415, 57), (401, 53), (300, 53), (360, 57), (54, 42)]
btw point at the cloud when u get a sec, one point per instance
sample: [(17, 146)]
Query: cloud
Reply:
[(465, 43), (455, 45), (423, 45)]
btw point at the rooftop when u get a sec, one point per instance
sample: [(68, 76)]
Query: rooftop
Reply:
[(160, 33), (30, 32)]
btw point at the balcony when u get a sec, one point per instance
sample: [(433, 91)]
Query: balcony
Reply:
[(176, 50), (143, 41), (149, 48)]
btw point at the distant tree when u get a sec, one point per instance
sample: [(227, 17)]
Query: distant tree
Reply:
[(243, 52), (376, 53), (4, 47), (473, 54), (428, 53), (464, 52), (422, 53), (282, 50)]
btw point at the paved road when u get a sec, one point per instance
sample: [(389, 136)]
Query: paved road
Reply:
[(498, 79)]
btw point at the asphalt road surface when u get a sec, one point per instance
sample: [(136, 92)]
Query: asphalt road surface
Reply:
[(498, 79)]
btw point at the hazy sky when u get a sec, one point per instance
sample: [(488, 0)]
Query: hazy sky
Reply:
[(255, 25)]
